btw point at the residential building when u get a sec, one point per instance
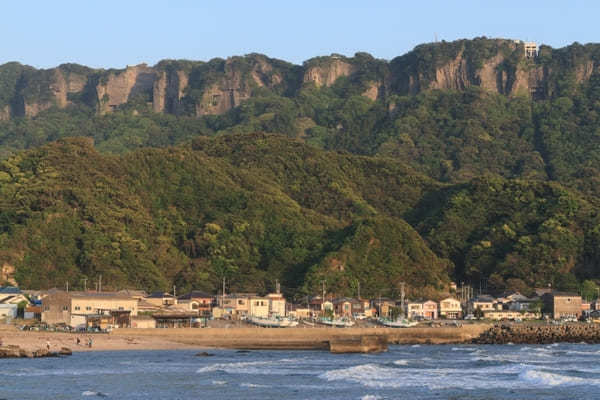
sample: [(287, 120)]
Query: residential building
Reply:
[(12, 295), (133, 293), (143, 322), (198, 301), (8, 311), (366, 308), (318, 306), (586, 307), (161, 299), (74, 308), (176, 319), (33, 312), (299, 311), (277, 304), (384, 306), (482, 302), (235, 304), (414, 309), (430, 309), (450, 308), (562, 305), (259, 307), (145, 307), (347, 307), (498, 315)]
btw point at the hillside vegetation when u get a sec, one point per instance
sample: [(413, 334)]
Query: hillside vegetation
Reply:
[(459, 161)]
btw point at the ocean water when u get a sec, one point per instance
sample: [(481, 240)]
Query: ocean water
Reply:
[(559, 371)]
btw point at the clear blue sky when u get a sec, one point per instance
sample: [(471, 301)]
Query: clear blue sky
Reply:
[(112, 33)]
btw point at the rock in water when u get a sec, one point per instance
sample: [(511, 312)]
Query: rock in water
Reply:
[(65, 351)]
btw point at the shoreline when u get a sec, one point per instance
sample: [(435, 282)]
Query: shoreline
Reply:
[(250, 338)]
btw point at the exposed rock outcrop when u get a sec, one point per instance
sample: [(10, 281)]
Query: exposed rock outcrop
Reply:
[(168, 91), (327, 73), (12, 351), (118, 88), (236, 84), (452, 75), (4, 113), (215, 87)]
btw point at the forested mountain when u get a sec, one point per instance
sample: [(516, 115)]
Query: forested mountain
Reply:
[(459, 161)]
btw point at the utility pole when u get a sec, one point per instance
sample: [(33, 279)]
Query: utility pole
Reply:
[(85, 284), (402, 296), (67, 286), (323, 299), (358, 290), (223, 294), (174, 292), (100, 283), (277, 287)]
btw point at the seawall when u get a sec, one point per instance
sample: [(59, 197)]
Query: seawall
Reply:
[(305, 338)]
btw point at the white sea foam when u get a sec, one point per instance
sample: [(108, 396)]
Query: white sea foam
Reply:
[(401, 362), (416, 345), (250, 367), (542, 378), (252, 385), (370, 397), (378, 376), (464, 349), (219, 383), (90, 393)]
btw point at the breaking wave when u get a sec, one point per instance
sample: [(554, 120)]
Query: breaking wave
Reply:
[(275, 367)]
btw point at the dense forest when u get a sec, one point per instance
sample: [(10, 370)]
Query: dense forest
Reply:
[(390, 172)]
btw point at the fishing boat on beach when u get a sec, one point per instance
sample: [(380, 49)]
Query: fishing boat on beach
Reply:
[(399, 323), (335, 322), (273, 322)]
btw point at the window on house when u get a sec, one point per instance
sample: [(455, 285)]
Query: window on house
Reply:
[(241, 302), (88, 308), (121, 308), (65, 308), (77, 308)]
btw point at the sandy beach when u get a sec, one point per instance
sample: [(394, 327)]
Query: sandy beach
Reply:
[(236, 338)]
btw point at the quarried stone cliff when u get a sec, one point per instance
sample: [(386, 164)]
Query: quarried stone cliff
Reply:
[(328, 72), (168, 91), (118, 88)]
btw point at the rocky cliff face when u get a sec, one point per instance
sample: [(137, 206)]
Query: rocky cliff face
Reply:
[(120, 87), (328, 72), (168, 91), (197, 88), (235, 83)]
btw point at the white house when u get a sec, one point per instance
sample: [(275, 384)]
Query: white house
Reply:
[(8, 311)]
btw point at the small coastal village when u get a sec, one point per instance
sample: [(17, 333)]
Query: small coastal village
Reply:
[(101, 311)]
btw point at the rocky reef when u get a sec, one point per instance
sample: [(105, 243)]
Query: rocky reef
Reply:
[(12, 351)]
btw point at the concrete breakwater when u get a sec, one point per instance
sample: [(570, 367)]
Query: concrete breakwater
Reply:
[(540, 334), (333, 339)]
